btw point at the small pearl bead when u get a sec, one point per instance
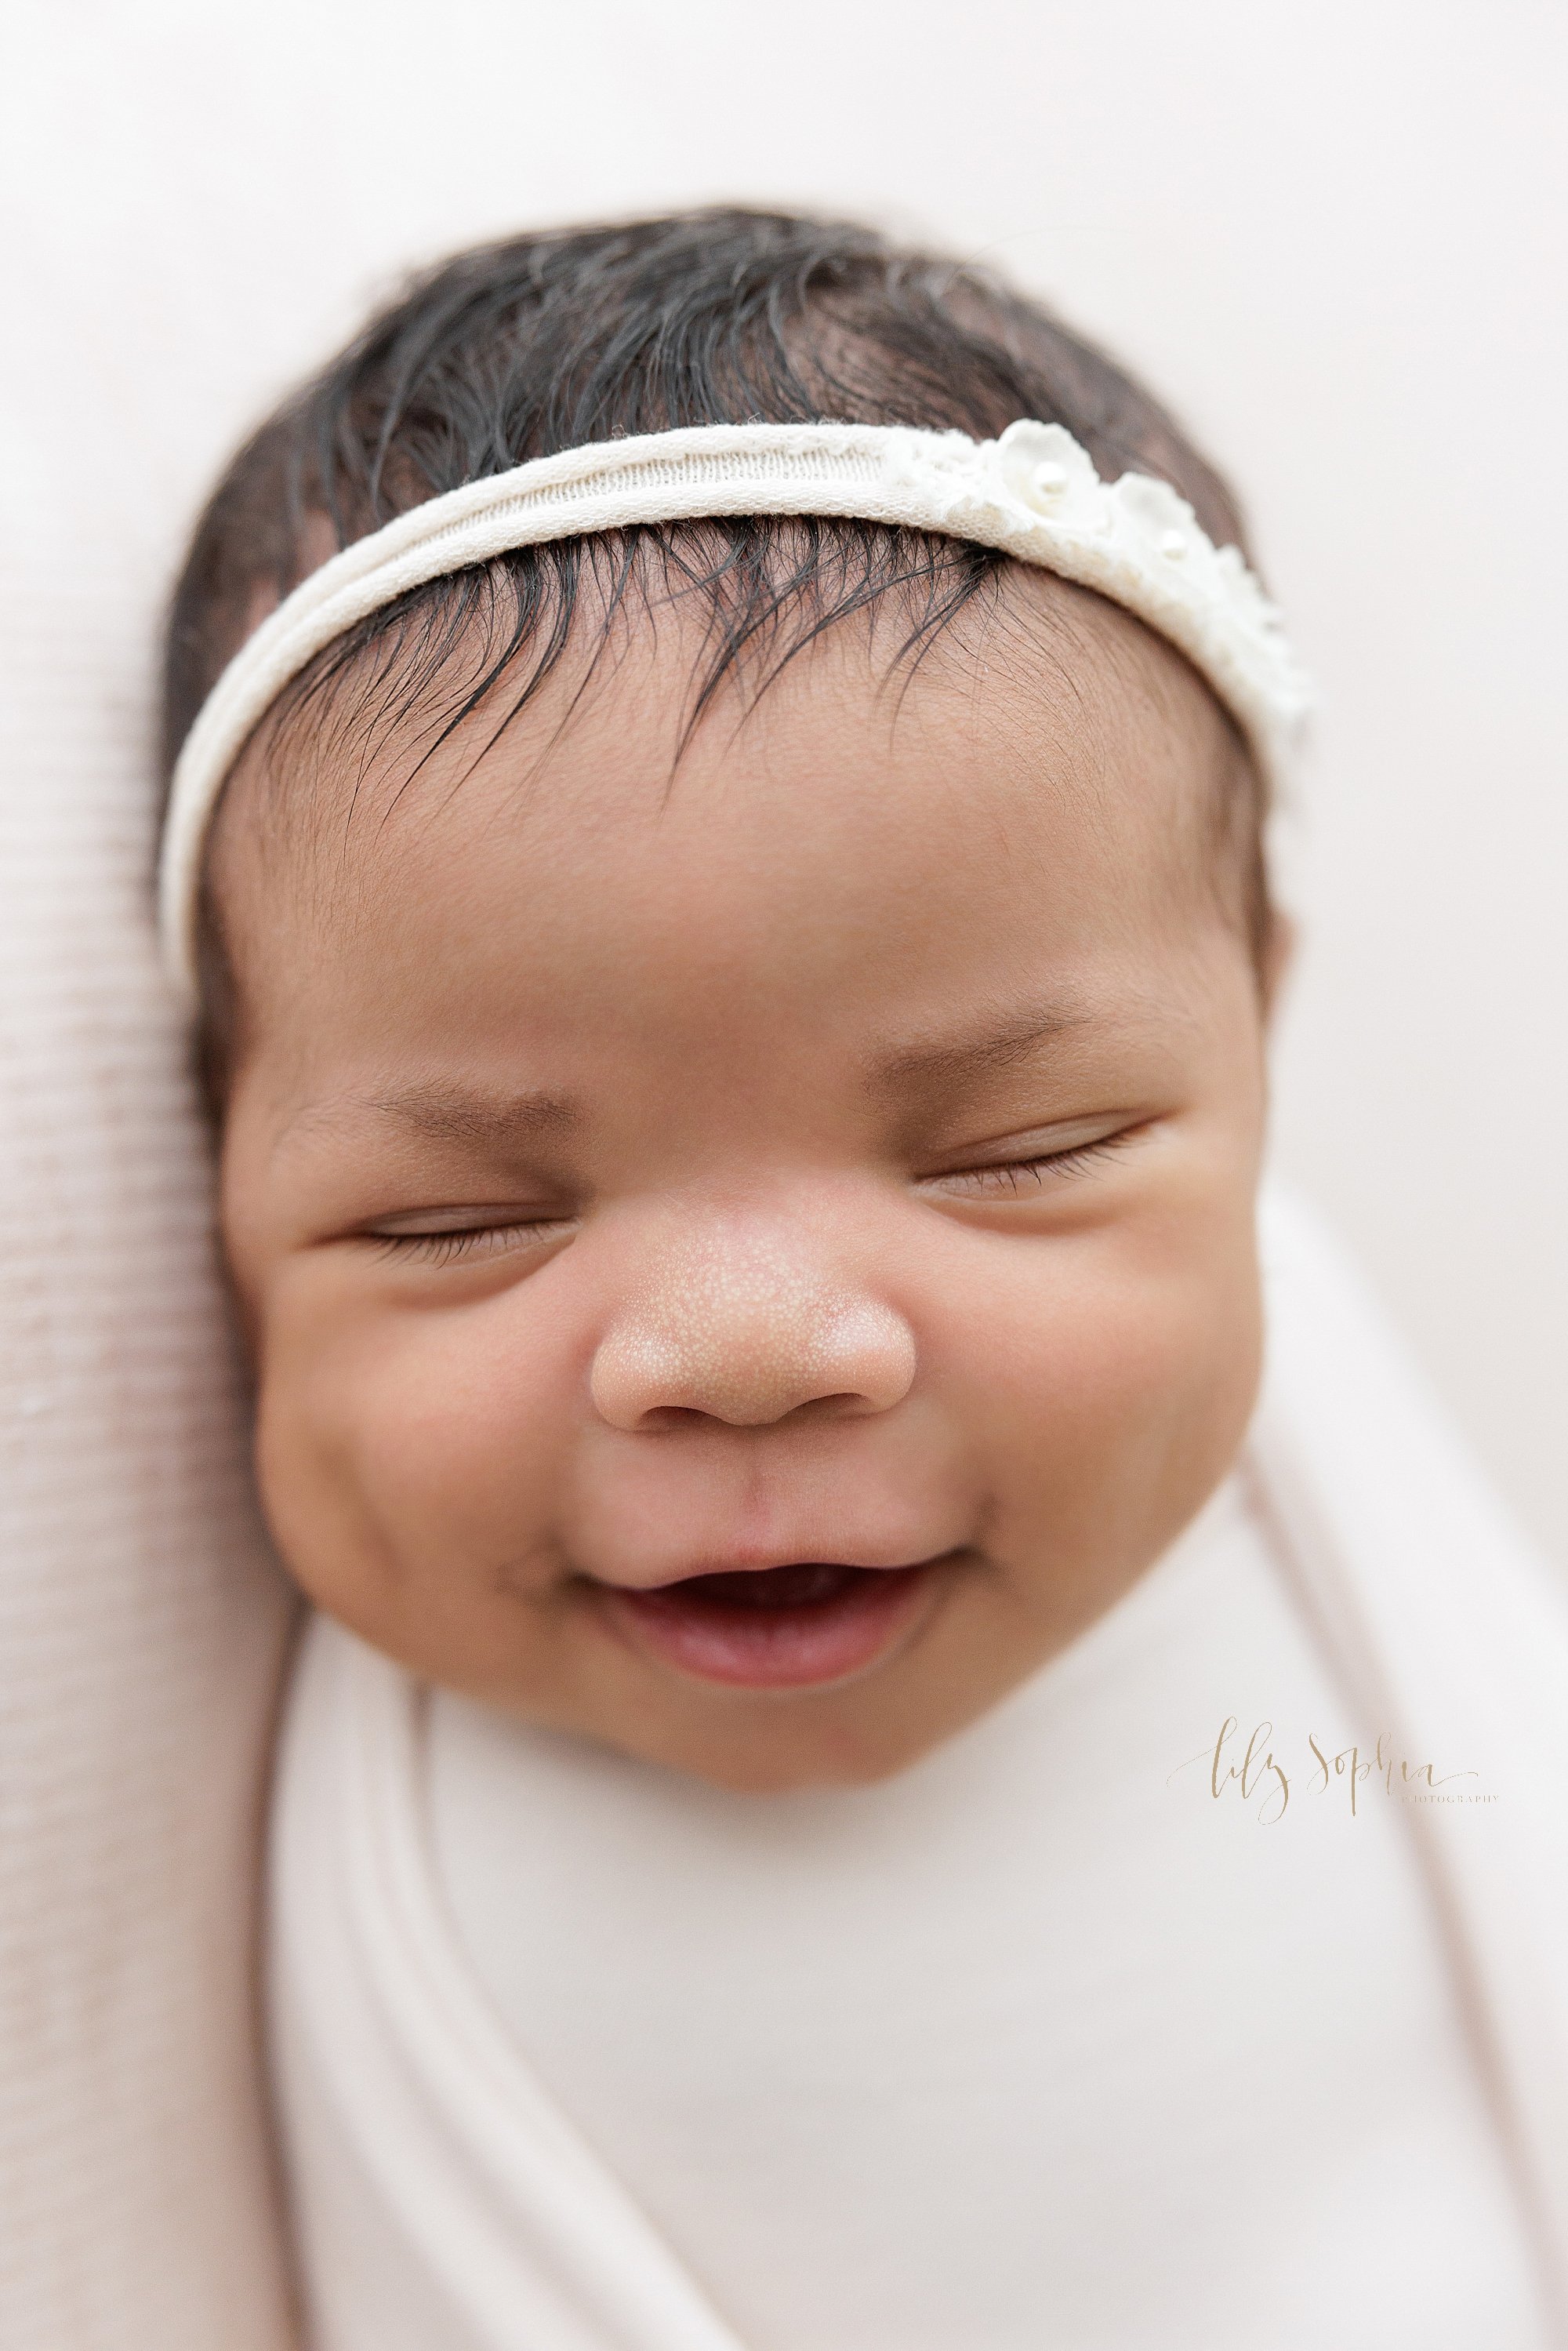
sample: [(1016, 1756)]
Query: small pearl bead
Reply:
[(1174, 544), (1048, 479)]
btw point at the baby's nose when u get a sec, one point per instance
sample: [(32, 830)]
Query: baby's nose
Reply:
[(742, 1327)]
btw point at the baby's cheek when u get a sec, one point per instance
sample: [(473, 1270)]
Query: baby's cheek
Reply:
[(407, 1464), (1118, 1381)]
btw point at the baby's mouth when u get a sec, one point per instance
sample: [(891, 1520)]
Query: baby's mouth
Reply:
[(795, 1626)]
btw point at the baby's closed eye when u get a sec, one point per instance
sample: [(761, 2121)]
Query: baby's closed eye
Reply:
[(444, 1236), (1025, 1165)]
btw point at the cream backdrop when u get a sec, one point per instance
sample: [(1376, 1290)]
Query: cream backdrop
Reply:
[(1331, 232)]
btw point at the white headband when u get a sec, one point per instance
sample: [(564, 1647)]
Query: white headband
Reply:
[(1033, 494)]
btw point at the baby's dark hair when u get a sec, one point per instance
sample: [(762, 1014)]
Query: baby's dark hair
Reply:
[(544, 342)]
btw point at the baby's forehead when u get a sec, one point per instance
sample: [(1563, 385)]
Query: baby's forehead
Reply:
[(1042, 765), (631, 665)]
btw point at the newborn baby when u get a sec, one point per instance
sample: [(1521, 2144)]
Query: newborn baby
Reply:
[(738, 1043)]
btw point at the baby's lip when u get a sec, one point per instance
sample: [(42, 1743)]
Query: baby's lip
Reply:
[(762, 1562), (795, 1624)]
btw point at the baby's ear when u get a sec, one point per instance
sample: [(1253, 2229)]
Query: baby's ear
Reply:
[(1278, 953)]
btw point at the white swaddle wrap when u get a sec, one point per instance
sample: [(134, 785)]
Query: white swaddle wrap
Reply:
[(1041, 2041)]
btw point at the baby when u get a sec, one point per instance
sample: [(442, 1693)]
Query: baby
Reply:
[(733, 979)]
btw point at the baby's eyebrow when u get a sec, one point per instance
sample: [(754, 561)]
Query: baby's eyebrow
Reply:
[(977, 1048), (498, 1118)]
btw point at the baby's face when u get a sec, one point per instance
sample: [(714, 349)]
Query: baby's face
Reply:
[(745, 1264)]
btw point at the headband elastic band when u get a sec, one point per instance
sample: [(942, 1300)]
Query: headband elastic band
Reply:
[(1033, 494)]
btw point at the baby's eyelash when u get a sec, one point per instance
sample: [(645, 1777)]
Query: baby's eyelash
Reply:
[(465, 1242), (1067, 1163), (1015, 1175)]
